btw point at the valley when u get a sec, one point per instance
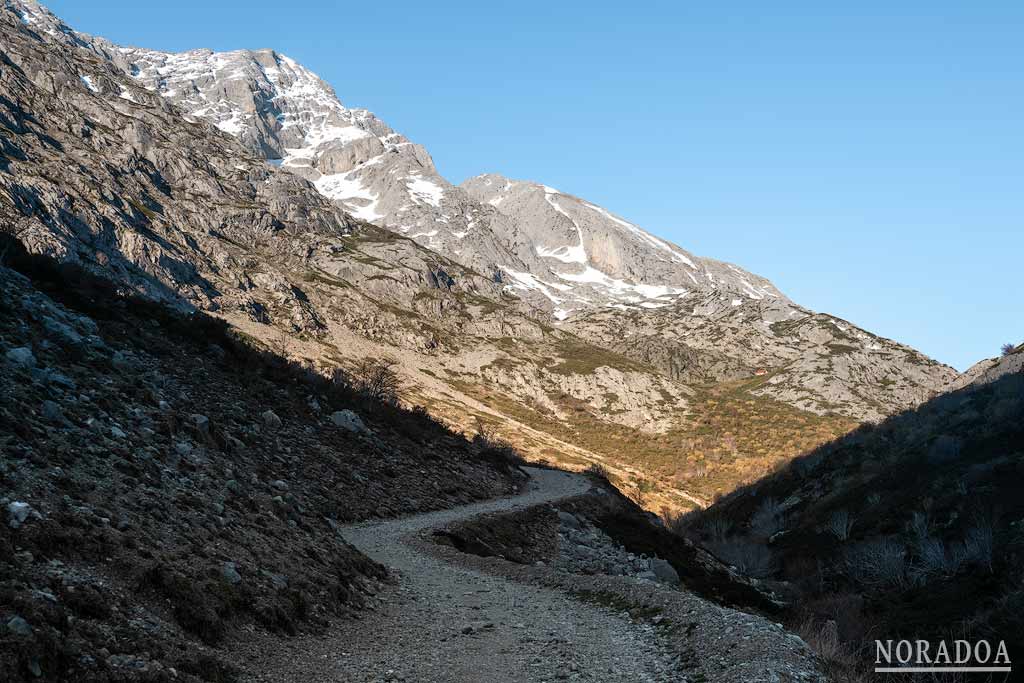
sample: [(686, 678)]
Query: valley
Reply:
[(260, 359)]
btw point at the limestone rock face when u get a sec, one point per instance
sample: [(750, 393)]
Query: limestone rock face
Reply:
[(813, 361), (990, 369)]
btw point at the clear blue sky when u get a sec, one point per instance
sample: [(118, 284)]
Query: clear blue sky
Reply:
[(867, 157)]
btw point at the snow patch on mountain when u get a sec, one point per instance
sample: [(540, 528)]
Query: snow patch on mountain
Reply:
[(424, 190), (357, 199)]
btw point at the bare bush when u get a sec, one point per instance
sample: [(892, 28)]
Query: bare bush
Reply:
[(934, 558), (919, 525), (717, 527), (822, 637), (599, 471), (980, 542), (377, 378), (767, 519), (680, 523), (840, 524), (496, 450), (1007, 349), (750, 558), (877, 563), (945, 448), (340, 379)]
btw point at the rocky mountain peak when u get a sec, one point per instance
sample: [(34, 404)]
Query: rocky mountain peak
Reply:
[(597, 257), (558, 252)]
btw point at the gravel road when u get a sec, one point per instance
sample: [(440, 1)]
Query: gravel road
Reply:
[(447, 624)]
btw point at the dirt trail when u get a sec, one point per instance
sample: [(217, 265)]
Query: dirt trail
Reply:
[(450, 625)]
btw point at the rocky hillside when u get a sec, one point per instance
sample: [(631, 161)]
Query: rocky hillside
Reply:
[(281, 111), (991, 369), (813, 361), (913, 528), (160, 477)]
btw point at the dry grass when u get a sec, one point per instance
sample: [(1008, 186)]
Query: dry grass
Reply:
[(727, 439)]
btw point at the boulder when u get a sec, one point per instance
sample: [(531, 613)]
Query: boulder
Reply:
[(230, 573), (568, 520), (17, 513), (665, 572), (64, 333), (346, 419), (201, 423), (18, 626), (270, 419), (21, 357), (52, 412)]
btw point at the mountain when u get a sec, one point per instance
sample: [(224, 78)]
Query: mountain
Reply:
[(281, 111), (224, 183), (600, 259), (705, 320), (562, 253)]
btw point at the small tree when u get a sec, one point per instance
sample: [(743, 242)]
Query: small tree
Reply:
[(378, 379), (876, 563), (767, 519), (340, 379), (639, 492)]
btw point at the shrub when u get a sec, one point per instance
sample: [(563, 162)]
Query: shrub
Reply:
[(598, 471), (680, 523), (1007, 349), (377, 379), (767, 519), (945, 448), (717, 527), (934, 558), (496, 450), (840, 524), (979, 543), (919, 525), (876, 563), (749, 557)]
